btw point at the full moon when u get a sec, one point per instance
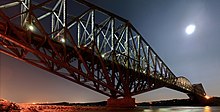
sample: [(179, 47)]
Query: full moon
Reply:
[(190, 29)]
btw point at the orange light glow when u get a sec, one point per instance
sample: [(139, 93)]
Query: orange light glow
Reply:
[(207, 97), (207, 109)]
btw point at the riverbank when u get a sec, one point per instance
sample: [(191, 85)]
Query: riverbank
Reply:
[(8, 106)]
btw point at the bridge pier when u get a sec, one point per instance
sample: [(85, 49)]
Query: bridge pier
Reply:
[(126, 102)]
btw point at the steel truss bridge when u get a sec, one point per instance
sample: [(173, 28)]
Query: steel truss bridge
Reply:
[(88, 45)]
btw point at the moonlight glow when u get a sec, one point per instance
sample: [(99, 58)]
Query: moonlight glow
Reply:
[(190, 29)]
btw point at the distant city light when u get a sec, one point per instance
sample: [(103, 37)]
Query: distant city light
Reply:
[(190, 29), (207, 97)]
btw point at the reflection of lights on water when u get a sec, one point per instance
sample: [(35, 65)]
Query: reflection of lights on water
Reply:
[(179, 109), (146, 110), (157, 110), (185, 109), (207, 109), (164, 110)]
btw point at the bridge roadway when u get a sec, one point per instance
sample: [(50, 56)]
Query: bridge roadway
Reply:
[(96, 49)]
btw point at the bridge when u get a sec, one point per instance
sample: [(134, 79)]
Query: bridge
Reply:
[(88, 45)]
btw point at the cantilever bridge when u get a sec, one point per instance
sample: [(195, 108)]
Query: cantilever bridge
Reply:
[(87, 45)]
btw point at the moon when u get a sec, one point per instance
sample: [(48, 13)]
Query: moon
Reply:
[(190, 29)]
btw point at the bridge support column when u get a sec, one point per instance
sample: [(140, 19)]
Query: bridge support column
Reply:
[(126, 102)]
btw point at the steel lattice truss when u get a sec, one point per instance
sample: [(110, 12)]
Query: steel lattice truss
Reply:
[(84, 44)]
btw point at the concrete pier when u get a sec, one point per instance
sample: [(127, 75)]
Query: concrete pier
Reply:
[(126, 102)]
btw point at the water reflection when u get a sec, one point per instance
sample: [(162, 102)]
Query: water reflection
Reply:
[(182, 109), (167, 109), (207, 109)]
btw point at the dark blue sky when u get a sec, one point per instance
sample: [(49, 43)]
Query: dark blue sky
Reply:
[(162, 23)]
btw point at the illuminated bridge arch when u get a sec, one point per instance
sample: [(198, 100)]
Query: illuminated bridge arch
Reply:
[(184, 83)]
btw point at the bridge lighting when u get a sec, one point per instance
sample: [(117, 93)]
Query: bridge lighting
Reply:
[(152, 85), (160, 78), (31, 27), (62, 40), (103, 55), (207, 97)]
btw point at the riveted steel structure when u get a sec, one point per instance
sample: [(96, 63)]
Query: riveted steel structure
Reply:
[(85, 44)]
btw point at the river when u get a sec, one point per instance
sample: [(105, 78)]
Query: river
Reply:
[(183, 109), (168, 109)]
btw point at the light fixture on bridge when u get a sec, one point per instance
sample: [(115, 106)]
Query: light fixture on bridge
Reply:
[(31, 27), (62, 40), (103, 55), (152, 85)]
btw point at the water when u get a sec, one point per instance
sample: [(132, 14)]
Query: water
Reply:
[(168, 109), (183, 109)]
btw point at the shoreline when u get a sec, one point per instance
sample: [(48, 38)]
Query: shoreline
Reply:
[(6, 106)]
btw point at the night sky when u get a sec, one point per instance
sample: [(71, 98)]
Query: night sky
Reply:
[(162, 23)]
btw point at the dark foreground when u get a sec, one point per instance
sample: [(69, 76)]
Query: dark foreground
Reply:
[(7, 106), (212, 105)]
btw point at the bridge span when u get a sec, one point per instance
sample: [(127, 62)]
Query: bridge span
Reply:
[(88, 45)]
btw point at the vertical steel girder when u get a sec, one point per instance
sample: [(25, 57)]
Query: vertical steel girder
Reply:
[(84, 44)]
